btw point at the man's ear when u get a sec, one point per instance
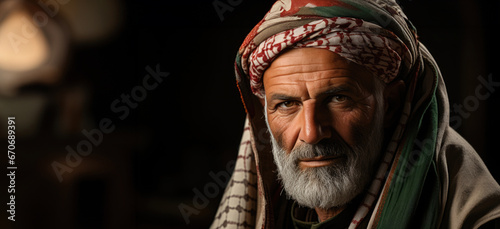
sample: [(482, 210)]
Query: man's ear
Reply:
[(394, 94)]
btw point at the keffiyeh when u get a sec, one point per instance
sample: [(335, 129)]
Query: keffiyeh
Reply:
[(364, 43)]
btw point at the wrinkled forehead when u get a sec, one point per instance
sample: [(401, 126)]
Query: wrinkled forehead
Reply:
[(322, 62), (317, 68)]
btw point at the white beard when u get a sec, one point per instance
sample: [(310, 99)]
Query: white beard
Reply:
[(335, 185)]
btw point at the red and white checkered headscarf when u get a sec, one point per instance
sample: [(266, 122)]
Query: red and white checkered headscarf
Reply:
[(364, 43)]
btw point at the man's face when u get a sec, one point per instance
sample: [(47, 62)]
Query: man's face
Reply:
[(325, 116)]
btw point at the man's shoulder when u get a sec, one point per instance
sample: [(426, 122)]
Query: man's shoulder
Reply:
[(470, 196)]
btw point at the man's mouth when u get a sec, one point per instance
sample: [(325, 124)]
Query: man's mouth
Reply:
[(319, 161)]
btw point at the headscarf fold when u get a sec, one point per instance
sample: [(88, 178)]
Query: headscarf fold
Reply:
[(364, 43), (377, 35)]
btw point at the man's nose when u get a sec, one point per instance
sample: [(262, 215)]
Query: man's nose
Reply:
[(314, 124)]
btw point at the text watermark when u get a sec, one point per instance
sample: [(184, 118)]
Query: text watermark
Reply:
[(94, 137), (210, 191), (11, 167)]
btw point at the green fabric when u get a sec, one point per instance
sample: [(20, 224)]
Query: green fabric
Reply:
[(416, 164), (362, 12)]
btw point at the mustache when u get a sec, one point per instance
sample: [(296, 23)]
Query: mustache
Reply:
[(326, 147)]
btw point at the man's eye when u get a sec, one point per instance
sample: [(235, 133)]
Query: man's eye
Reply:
[(339, 98), (286, 104)]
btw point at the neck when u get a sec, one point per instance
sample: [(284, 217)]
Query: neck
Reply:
[(324, 214)]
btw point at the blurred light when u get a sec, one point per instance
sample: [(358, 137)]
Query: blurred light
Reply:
[(34, 46), (21, 53)]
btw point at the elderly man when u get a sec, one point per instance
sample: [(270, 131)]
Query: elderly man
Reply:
[(348, 127)]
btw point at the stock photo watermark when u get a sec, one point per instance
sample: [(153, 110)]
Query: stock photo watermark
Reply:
[(210, 191), (11, 167), (483, 91), (471, 103), (121, 107), (223, 6)]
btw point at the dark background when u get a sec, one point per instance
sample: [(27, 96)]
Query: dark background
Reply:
[(190, 125)]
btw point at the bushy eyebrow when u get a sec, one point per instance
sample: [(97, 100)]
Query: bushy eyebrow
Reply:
[(331, 91), (279, 96), (335, 90)]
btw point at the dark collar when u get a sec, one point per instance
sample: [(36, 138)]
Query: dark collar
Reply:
[(306, 218)]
